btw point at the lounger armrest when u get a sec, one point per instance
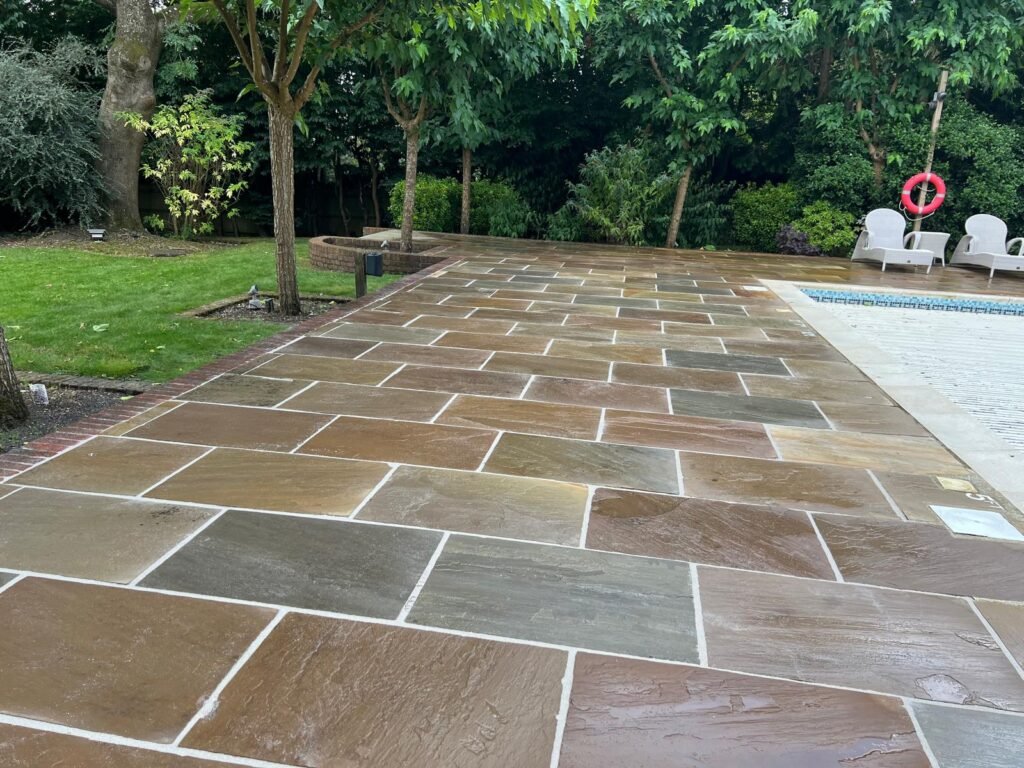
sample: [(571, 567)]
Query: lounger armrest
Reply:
[(1018, 241), (912, 241), (962, 248)]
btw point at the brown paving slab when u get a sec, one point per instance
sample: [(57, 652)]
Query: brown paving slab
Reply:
[(514, 315), (924, 557), (403, 442), (688, 433), (706, 531), (471, 324), (531, 417), (670, 341), (471, 502), (896, 453), (6, 490), (320, 692), (1007, 619), (720, 331), (821, 390), (233, 427), (231, 389), (279, 482), (782, 483), (718, 361), (567, 333), (576, 461), (453, 380), (630, 353), (882, 420), (767, 410), (960, 738), (131, 663), (31, 748), (493, 342), (817, 369), (420, 355), (375, 402), (378, 317), (546, 365), (904, 643), (128, 425), (626, 712), (682, 378), (914, 495), (110, 465), (689, 315), (790, 350), (398, 335), (598, 394), (327, 369), (614, 323), (321, 346), (90, 537)]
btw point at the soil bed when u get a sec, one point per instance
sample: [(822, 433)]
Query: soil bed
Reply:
[(240, 311), (66, 406)]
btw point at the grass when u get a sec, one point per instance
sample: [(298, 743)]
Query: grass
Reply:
[(68, 310)]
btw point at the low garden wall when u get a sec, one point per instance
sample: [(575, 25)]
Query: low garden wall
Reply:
[(337, 254)]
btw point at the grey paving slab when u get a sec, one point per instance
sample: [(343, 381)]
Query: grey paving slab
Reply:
[(596, 600), (721, 362), (963, 738), (766, 410), (319, 564)]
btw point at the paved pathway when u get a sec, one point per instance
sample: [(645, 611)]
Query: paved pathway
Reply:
[(550, 505)]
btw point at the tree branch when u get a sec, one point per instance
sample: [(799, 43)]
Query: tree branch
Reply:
[(658, 74), (301, 35), (281, 54), (236, 36), (258, 57)]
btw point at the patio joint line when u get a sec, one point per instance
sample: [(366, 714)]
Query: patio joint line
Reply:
[(824, 546), (563, 708), (698, 616), (296, 394), (444, 408), (12, 582), (176, 548), (743, 383), (585, 522), (210, 705), (919, 731), (394, 373), (182, 468), (995, 636), (601, 424), (678, 459), (547, 348), (317, 432), (410, 322), (490, 356), (89, 439), (490, 450), (421, 582), (887, 496), (190, 390), (373, 492), (367, 351), (529, 382)]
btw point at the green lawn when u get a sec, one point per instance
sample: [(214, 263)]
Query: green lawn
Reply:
[(72, 311)]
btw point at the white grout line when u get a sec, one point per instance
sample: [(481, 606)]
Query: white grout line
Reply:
[(296, 394), (547, 349), (444, 408), (529, 381), (828, 553), (490, 450), (368, 350), (678, 459), (925, 746), (601, 424), (182, 468), (995, 636), (485, 362), (743, 383), (124, 741), (210, 705), (89, 439), (12, 582), (410, 322), (421, 582), (563, 708), (373, 492), (585, 524), (391, 375), (885, 494), (208, 381), (698, 616), (176, 548), (317, 432)]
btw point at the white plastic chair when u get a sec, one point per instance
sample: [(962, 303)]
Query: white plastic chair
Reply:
[(883, 240), (985, 245)]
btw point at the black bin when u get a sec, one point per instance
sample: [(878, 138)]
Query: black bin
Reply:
[(374, 264)]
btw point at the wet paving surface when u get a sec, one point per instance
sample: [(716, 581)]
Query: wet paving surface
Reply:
[(551, 505)]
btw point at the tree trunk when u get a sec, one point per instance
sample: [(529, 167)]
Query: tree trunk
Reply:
[(825, 74), (13, 410), (374, 185), (412, 154), (341, 206), (677, 207), (878, 166), (282, 176), (467, 180), (131, 63)]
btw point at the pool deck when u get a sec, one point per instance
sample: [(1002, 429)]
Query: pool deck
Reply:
[(547, 504)]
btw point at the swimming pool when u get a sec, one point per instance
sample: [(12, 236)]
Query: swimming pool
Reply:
[(916, 301)]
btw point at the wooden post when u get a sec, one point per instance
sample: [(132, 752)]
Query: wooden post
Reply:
[(359, 267), (936, 117)]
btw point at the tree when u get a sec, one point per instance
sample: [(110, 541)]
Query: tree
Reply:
[(13, 409)]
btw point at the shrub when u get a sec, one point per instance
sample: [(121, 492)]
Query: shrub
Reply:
[(437, 204), (791, 240), (197, 160), (706, 215), (512, 218), (827, 228), (48, 134), (486, 199), (760, 212), (564, 225)]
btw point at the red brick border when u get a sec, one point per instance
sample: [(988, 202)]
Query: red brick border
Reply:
[(17, 460), (338, 255)]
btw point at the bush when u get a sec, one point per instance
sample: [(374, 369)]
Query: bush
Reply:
[(827, 228), (706, 215), (437, 206), (513, 218), (760, 212), (564, 225), (791, 240), (48, 134)]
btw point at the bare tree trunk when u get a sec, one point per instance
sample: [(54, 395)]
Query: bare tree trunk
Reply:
[(282, 175), (341, 206), (13, 409), (467, 180), (825, 74), (374, 194), (677, 207), (412, 154), (878, 168), (131, 63)]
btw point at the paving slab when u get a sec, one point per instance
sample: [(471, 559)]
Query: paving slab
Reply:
[(320, 346), (1007, 619), (526, 416), (970, 739), (341, 370), (723, 362), (688, 433), (766, 410), (372, 402), (233, 389)]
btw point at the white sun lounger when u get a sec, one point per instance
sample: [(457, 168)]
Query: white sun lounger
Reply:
[(883, 241), (985, 245)]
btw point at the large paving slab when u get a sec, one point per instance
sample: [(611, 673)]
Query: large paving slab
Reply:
[(971, 739)]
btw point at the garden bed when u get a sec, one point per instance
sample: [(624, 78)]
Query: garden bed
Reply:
[(67, 405), (338, 254), (237, 308)]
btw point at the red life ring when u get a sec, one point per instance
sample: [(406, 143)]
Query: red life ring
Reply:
[(922, 178)]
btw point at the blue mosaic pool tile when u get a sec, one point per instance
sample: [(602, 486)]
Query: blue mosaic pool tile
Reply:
[(911, 301)]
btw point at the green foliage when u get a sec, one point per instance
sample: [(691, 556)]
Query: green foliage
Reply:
[(564, 225), (512, 217), (436, 204), (706, 218), (618, 194), (827, 228), (760, 212), (197, 160), (48, 134)]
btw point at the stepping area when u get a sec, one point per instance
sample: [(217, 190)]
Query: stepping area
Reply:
[(545, 505)]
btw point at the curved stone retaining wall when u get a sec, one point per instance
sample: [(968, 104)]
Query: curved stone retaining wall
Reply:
[(337, 254)]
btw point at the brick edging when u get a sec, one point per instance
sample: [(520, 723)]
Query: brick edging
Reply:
[(18, 460)]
